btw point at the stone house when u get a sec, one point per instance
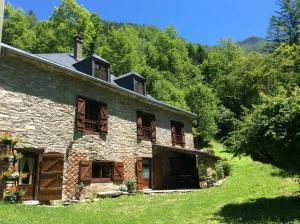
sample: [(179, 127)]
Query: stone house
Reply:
[(78, 123)]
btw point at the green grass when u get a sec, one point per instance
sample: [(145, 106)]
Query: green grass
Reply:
[(254, 193)]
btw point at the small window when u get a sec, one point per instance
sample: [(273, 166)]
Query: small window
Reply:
[(177, 132), (101, 72), (139, 86), (146, 126), (102, 171), (92, 116)]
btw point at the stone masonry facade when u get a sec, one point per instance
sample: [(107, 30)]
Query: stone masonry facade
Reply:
[(38, 103)]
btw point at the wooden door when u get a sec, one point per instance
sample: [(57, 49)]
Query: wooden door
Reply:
[(139, 170), (51, 176), (157, 173), (146, 173)]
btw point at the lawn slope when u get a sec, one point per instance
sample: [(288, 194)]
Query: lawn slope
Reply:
[(254, 193)]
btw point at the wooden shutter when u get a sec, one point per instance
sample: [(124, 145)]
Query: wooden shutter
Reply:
[(139, 173), (85, 171), (173, 133), (182, 136), (153, 129), (103, 119), (139, 123), (81, 104), (118, 171), (51, 176)]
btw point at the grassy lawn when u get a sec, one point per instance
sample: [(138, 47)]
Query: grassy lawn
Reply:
[(254, 193)]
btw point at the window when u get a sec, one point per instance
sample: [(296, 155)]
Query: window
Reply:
[(146, 126), (139, 86), (177, 133), (101, 72), (101, 171), (92, 116)]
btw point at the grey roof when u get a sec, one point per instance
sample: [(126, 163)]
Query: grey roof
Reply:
[(65, 59), (129, 74), (63, 64)]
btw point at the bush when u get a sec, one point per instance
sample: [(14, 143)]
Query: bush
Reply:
[(222, 169), (131, 185), (270, 131)]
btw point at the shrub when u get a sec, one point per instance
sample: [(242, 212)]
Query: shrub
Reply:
[(270, 131), (222, 169), (131, 185)]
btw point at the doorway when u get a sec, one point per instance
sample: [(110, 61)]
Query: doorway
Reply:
[(28, 164), (144, 173)]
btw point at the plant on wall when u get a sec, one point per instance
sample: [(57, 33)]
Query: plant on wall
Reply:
[(11, 177)]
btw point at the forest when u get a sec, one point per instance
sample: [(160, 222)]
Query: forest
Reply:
[(248, 99)]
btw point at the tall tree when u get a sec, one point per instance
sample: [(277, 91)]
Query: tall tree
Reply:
[(285, 24)]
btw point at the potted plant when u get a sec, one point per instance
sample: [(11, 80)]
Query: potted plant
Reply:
[(6, 138), (13, 194), (12, 175)]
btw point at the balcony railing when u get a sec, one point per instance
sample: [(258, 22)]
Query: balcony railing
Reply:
[(146, 132), (91, 125), (178, 140)]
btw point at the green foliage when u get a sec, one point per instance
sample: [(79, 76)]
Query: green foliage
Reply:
[(270, 131), (203, 102), (284, 26), (222, 169), (131, 185)]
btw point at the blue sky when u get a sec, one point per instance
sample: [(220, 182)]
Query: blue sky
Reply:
[(201, 21)]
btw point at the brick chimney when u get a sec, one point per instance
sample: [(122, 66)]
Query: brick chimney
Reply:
[(1, 20), (77, 48)]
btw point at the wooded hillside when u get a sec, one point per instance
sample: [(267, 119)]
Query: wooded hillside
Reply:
[(218, 83)]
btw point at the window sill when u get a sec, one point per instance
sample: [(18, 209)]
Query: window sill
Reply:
[(102, 180)]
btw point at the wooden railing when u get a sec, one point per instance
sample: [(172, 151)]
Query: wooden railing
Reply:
[(178, 140), (146, 132), (91, 125)]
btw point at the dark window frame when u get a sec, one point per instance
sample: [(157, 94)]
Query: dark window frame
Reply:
[(90, 121), (139, 86), (147, 118), (101, 65), (102, 179), (178, 130)]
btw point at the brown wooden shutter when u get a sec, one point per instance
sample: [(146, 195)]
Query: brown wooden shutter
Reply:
[(139, 173), (139, 123), (85, 171), (173, 133), (182, 136), (51, 176), (81, 104), (103, 119), (118, 171), (153, 129)]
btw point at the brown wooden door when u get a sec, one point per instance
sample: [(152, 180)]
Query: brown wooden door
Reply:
[(51, 176), (139, 170), (157, 173), (146, 173)]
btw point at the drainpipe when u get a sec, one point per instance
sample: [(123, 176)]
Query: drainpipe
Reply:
[(1, 20)]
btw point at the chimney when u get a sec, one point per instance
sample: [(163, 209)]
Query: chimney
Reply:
[(77, 48), (1, 20)]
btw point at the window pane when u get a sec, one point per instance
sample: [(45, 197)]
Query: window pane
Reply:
[(101, 72), (96, 170), (106, 171), (146, 168)]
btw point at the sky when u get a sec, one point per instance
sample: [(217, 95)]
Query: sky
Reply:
[(199, 21)]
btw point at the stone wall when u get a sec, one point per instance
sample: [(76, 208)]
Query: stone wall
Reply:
[(38, 103)]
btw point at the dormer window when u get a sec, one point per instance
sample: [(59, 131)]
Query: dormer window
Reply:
[(101, 71), (139, 86)]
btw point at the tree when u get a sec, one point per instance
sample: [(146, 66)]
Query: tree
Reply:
[(270, 132), (284, 26), (204, 103)]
